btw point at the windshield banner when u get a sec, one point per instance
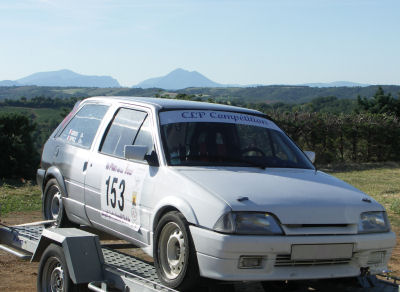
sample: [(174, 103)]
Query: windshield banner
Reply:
[(205, 116)]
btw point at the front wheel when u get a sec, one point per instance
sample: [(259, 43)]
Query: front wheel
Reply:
[(174, 253)]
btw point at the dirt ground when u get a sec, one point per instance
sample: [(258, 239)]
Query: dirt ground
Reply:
[(17, 274), (20, 275)]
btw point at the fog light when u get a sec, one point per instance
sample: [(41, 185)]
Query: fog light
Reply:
[(250, 262), (376, 257)]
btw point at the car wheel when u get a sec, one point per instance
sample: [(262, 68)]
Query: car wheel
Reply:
[(53, 272), (53, 206), (174, 253)]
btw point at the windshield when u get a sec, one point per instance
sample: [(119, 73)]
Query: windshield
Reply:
[(217, 138)]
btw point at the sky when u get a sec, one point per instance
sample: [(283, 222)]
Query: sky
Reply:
[(230, 42)]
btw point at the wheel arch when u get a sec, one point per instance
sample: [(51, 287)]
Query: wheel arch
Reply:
[(54, 172), (186, 273), (169, 204)]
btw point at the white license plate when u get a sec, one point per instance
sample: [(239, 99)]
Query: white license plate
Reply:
[(322, 251)]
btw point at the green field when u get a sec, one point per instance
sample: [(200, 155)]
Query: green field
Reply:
[(39, 115), (45, 119), (18, 196), (381, 181)]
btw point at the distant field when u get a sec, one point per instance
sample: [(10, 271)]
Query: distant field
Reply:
[(46, 120), (39, 115), (264, 94)]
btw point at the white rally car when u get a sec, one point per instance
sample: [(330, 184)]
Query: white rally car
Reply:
[(208, 190)]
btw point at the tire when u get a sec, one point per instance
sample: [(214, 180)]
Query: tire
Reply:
[(53, 272), (53, 208), (174, 253)]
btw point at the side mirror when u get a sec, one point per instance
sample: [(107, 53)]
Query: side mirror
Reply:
[(310, 155), (135, 152), (138, 152), (152, 159)]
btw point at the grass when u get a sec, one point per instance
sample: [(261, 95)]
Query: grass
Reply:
[(381, 182), (16, 196)]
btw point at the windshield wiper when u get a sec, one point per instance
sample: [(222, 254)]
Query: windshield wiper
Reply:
[(251, 163)]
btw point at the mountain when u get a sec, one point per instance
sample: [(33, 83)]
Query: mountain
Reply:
[(63, 78), (181, 79), (9, 83), (336, 84), (178, 79)]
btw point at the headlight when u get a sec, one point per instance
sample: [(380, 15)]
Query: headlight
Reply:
[(372, 222), (248, 223)]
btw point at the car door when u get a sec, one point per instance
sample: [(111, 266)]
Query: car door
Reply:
[(114, 184), (71, 156)]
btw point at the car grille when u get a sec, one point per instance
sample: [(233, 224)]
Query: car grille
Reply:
[(286, 261), (319, 229)]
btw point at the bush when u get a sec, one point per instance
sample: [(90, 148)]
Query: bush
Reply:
[(18, 156)]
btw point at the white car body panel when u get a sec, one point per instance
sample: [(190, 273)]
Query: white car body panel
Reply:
[(293, 195)]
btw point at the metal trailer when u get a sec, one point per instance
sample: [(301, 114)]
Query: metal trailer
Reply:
[(75, 259), (88, 263)]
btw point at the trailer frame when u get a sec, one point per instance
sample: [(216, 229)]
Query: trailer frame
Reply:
[(108, 268)]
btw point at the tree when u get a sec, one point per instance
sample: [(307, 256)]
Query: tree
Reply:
[(380, 103), (18, 156)]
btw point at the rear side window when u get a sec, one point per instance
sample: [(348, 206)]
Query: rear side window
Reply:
[(83, 126), (123, 131)]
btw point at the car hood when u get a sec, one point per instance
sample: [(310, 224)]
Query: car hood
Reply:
[(295, 196)]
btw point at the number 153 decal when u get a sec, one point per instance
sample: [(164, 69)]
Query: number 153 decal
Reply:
[(113, 195)]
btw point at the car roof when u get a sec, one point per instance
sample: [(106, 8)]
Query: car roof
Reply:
[(168, 104)]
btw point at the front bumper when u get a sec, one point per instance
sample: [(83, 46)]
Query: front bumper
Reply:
[(218, 255), (40, 173)]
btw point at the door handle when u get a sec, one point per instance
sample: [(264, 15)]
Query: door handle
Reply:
[(56, 151), (85, 166)]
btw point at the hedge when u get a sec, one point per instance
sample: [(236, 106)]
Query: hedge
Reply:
[(344, 138)]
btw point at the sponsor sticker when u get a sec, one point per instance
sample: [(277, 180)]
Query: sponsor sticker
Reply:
[(206, 116)]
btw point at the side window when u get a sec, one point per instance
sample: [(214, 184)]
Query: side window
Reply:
[(122, 131), (144, 136), (83, 126)]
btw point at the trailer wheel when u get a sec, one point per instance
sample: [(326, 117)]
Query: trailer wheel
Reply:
[(53, 275), (174, 254), (53, 208)]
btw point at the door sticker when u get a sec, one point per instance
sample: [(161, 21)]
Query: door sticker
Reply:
[(120, 193)]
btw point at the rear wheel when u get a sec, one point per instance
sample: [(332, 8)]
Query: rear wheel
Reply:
[(174, 254), (53, 208)]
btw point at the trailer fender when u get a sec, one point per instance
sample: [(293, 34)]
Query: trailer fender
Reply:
[(82, 252)]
